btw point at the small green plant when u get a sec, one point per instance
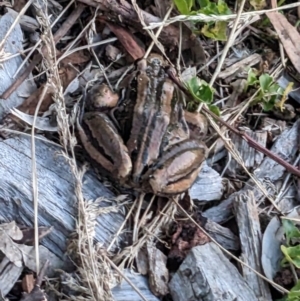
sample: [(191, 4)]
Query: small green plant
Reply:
[(292, 249), (214, 30), (291, 252), (269, 93), (202, 93)]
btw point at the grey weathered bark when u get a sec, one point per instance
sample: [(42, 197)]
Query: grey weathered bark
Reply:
[(206, 274), (286, 147), (251, 238), (57, 201)]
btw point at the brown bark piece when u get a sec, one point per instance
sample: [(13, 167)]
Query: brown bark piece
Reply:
[(127, 40), (28, 283)]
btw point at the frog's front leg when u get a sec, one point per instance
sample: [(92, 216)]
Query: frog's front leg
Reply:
[(177, 169), (104, 145)]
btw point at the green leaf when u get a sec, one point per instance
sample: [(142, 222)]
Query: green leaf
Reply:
[(294, 294), (200, 90), (292, 254), (268, 105), (223, 9), (285, 298), (252, 78), (203, 3), (265, 81), (193, 85), (211, 8), (184, 6), (214, 109), (215, 31), (291, 231)]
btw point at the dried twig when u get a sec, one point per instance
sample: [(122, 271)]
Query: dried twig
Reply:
[(121, 9)]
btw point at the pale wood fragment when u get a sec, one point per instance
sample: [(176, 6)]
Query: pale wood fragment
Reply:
[(27, 23), (9, 274), (251, 237), (242, 64), (251, 157), (13, 45), (222, 235), (124, 292), (208, 185)]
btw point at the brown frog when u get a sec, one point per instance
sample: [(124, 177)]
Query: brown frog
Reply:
[(158, 153)]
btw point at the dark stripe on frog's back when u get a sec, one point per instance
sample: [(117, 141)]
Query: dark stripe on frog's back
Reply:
[(154, 128), (180, 148), (159, 132), (138, 115), (146, 104)]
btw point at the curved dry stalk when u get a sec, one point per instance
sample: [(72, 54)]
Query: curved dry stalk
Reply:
[(158, 32), (151, 34)]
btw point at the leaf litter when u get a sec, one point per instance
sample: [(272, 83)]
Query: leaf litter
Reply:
[(236, 87)]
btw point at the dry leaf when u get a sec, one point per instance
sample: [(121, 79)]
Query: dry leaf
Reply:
[(289, 37), (75, 58), (16, 253), (127, 40)]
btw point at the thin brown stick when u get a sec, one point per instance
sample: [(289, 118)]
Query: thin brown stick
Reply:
[(40, 277), (70, 21), (37, 58), (252, 143)]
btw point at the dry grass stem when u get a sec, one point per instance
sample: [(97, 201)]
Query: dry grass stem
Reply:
[(228, 44), (158, 31), (151, 34), (204, 18), (93, 267)]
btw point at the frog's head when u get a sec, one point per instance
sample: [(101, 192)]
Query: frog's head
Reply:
[(101, 97), (155, 59)]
